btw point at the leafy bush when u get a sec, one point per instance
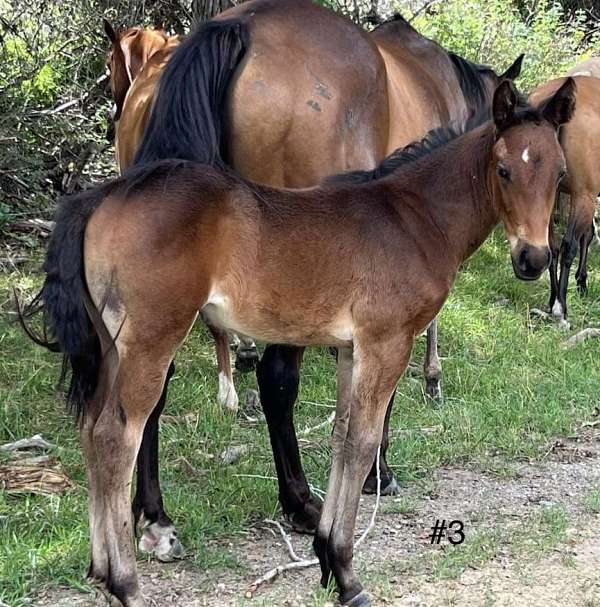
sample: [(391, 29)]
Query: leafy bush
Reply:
[(494, 32)]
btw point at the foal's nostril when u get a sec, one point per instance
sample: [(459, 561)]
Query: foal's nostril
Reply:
[(523, 265)]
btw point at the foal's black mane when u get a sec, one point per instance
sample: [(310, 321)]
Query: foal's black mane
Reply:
[(471, 76), (434, 140)]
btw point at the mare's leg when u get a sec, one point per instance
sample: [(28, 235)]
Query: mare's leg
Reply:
[(278, 375), (584, 246), (366, 380), (433, 366), (158, 534), (227, 395), (246, 355), (553, 267), (389, 484), (583, 206)]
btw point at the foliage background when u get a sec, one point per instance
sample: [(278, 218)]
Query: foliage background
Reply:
[(54, 98)]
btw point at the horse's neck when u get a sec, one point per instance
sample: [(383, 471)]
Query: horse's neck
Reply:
[(455, 188)]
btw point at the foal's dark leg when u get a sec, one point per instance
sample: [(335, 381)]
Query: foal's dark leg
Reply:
[(278, 375), (158, 534), (389, 485), (584, 246)]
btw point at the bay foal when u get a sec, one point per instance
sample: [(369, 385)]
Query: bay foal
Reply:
[(348, 264), (301, 105)]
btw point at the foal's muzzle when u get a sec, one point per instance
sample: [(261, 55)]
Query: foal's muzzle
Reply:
[(529, 261)]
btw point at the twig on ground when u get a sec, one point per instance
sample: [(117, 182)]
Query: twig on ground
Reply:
[(35, 442), (324, 424), (581, 336), (376, 508), (286, 539)]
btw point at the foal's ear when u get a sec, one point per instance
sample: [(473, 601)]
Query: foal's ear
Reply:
[(560, 108), (514, 71), (110, 32), (504, 105)]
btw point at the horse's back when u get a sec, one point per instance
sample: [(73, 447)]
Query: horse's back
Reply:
[(422, 82), (590, 67), (310, 97), (580, 137)]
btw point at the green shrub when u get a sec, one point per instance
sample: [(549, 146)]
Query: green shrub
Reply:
[(494, 32)]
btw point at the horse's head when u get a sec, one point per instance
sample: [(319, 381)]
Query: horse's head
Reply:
[(130, 49), (527, 165)]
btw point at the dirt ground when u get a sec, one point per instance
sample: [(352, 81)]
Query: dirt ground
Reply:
[(397, 561)]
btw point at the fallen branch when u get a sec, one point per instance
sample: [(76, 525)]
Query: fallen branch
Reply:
[(298, 562), (579, 337), (324, 424), (35, 442)]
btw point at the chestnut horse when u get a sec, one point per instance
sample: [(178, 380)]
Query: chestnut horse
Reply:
[(349, 264), (344, 108), (580, 140), (131, 50)]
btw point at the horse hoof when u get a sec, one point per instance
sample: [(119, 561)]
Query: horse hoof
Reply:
[(161, 542), (246, 359), (433, 388), (360, 600), (390, 488), (227, 396), (306, 520)]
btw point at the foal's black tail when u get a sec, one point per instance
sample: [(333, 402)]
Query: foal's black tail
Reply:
[(67, 326), (187, 116)]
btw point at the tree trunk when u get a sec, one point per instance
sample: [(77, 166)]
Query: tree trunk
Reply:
[(203, 10)]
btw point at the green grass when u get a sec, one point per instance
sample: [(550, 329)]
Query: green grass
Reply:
[(592, 501), (534, 537), (508, 389)]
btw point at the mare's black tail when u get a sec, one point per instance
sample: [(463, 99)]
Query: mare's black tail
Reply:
[(188, 112)]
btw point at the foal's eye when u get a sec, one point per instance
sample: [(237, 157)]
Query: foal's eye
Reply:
[(561, 174), (504, 173)]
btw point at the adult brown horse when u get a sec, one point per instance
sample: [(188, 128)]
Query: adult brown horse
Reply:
[(302, 105), (580, 139), (349, 264), (131, 50)]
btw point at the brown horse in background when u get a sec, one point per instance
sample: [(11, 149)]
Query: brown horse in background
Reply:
[(580, 139), (303, 105), (131, 50), (349, 264)]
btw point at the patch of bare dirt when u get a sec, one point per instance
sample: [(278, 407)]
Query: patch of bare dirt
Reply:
[(395, 560)]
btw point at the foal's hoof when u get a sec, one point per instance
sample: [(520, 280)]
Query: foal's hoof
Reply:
[(307, 519), (161, 542), (360, 600), (388, 486), (246, 359)]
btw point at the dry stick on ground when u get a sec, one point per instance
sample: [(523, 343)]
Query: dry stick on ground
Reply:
[(581, 336), (307, 431), (298, 562)]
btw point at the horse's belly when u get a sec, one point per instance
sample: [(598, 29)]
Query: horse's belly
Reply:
[(280, 326)]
